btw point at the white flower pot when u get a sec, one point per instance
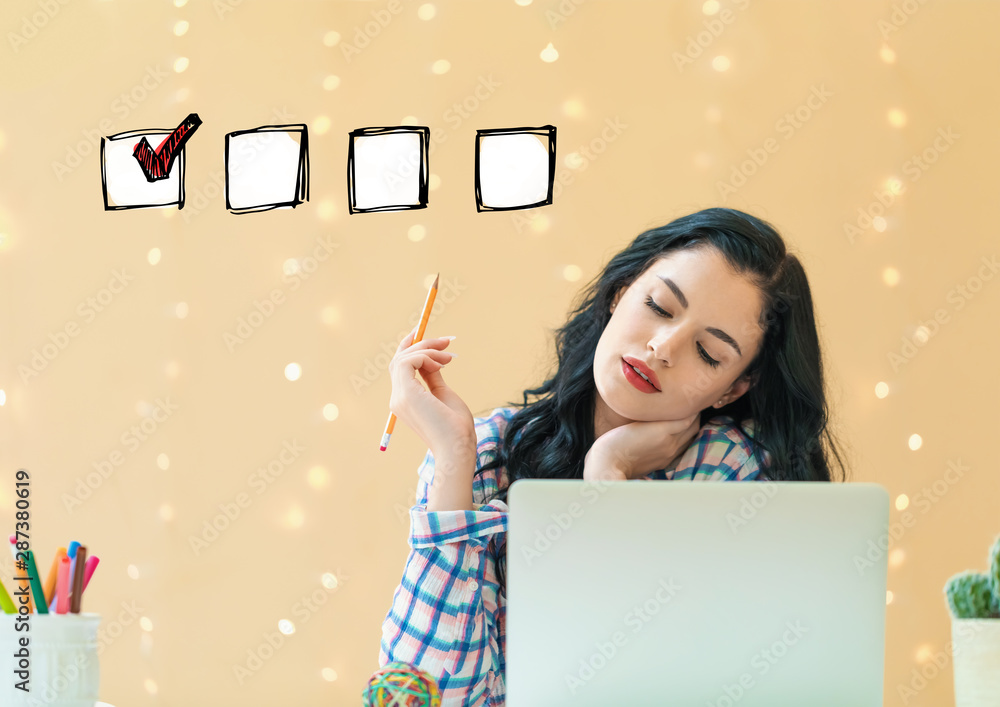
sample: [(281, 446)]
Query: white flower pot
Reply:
[(976, 650)]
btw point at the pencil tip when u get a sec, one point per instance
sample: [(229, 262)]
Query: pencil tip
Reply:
[(436, 278)]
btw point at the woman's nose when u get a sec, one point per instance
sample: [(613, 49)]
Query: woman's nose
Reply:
[(661, 346)]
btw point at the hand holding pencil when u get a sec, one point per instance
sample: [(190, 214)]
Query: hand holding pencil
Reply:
[(437, 414)]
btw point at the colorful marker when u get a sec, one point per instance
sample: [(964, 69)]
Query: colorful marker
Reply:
[(36, 586), (50, 579), (88, 571), (62, 587), (77, 597), (5, 603), (71, 554)]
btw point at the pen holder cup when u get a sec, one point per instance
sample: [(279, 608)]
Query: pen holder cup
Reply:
[(59, 664)]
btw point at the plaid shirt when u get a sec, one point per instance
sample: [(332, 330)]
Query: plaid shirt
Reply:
[(448, 612)]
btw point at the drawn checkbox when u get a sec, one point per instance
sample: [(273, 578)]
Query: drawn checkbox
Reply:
[(267, 168), (123, 180), (387, 168), (515, 168)]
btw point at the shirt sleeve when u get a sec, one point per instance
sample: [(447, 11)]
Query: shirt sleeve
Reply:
[(723, 458), (445, 616), (441, 528)]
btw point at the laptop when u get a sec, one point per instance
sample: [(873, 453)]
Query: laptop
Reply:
[(636, 593)]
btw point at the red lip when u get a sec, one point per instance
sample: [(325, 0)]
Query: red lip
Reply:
[(645, 370)]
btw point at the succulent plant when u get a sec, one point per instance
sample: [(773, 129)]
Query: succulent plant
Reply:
[(995, 568), (975, 595)]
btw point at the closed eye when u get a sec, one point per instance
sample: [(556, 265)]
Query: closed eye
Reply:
[(704, 354)]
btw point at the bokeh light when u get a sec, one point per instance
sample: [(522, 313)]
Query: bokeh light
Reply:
[(720, 63), (890, 276), (572, 273)]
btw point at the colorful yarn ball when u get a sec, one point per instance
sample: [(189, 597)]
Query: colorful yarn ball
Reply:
[(401, 684)]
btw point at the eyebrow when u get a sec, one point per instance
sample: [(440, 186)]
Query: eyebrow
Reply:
[(711, 330)]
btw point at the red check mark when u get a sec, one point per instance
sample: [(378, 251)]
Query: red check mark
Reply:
[(156, 164)]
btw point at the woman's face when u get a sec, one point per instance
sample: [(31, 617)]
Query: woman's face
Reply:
[(691, 350)]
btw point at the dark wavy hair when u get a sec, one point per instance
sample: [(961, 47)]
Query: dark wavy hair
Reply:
[(550, 437)]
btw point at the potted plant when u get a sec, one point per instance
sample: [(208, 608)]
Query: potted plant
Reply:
[(974, 602)]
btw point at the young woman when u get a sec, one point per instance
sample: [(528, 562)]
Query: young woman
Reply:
[(694, 356)]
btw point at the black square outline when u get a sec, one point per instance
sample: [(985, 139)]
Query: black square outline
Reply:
[(424, 133), (181, 159), (546, 130), (301, 178)]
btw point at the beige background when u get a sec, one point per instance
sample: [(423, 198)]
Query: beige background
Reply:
[(339, 506)]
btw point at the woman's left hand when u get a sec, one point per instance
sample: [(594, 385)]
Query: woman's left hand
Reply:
[(637, 449)]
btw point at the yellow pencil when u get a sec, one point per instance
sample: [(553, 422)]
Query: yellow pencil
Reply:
[(428, 306)]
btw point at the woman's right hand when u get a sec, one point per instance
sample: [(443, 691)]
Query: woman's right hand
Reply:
[(636, 449), (436, 413)]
